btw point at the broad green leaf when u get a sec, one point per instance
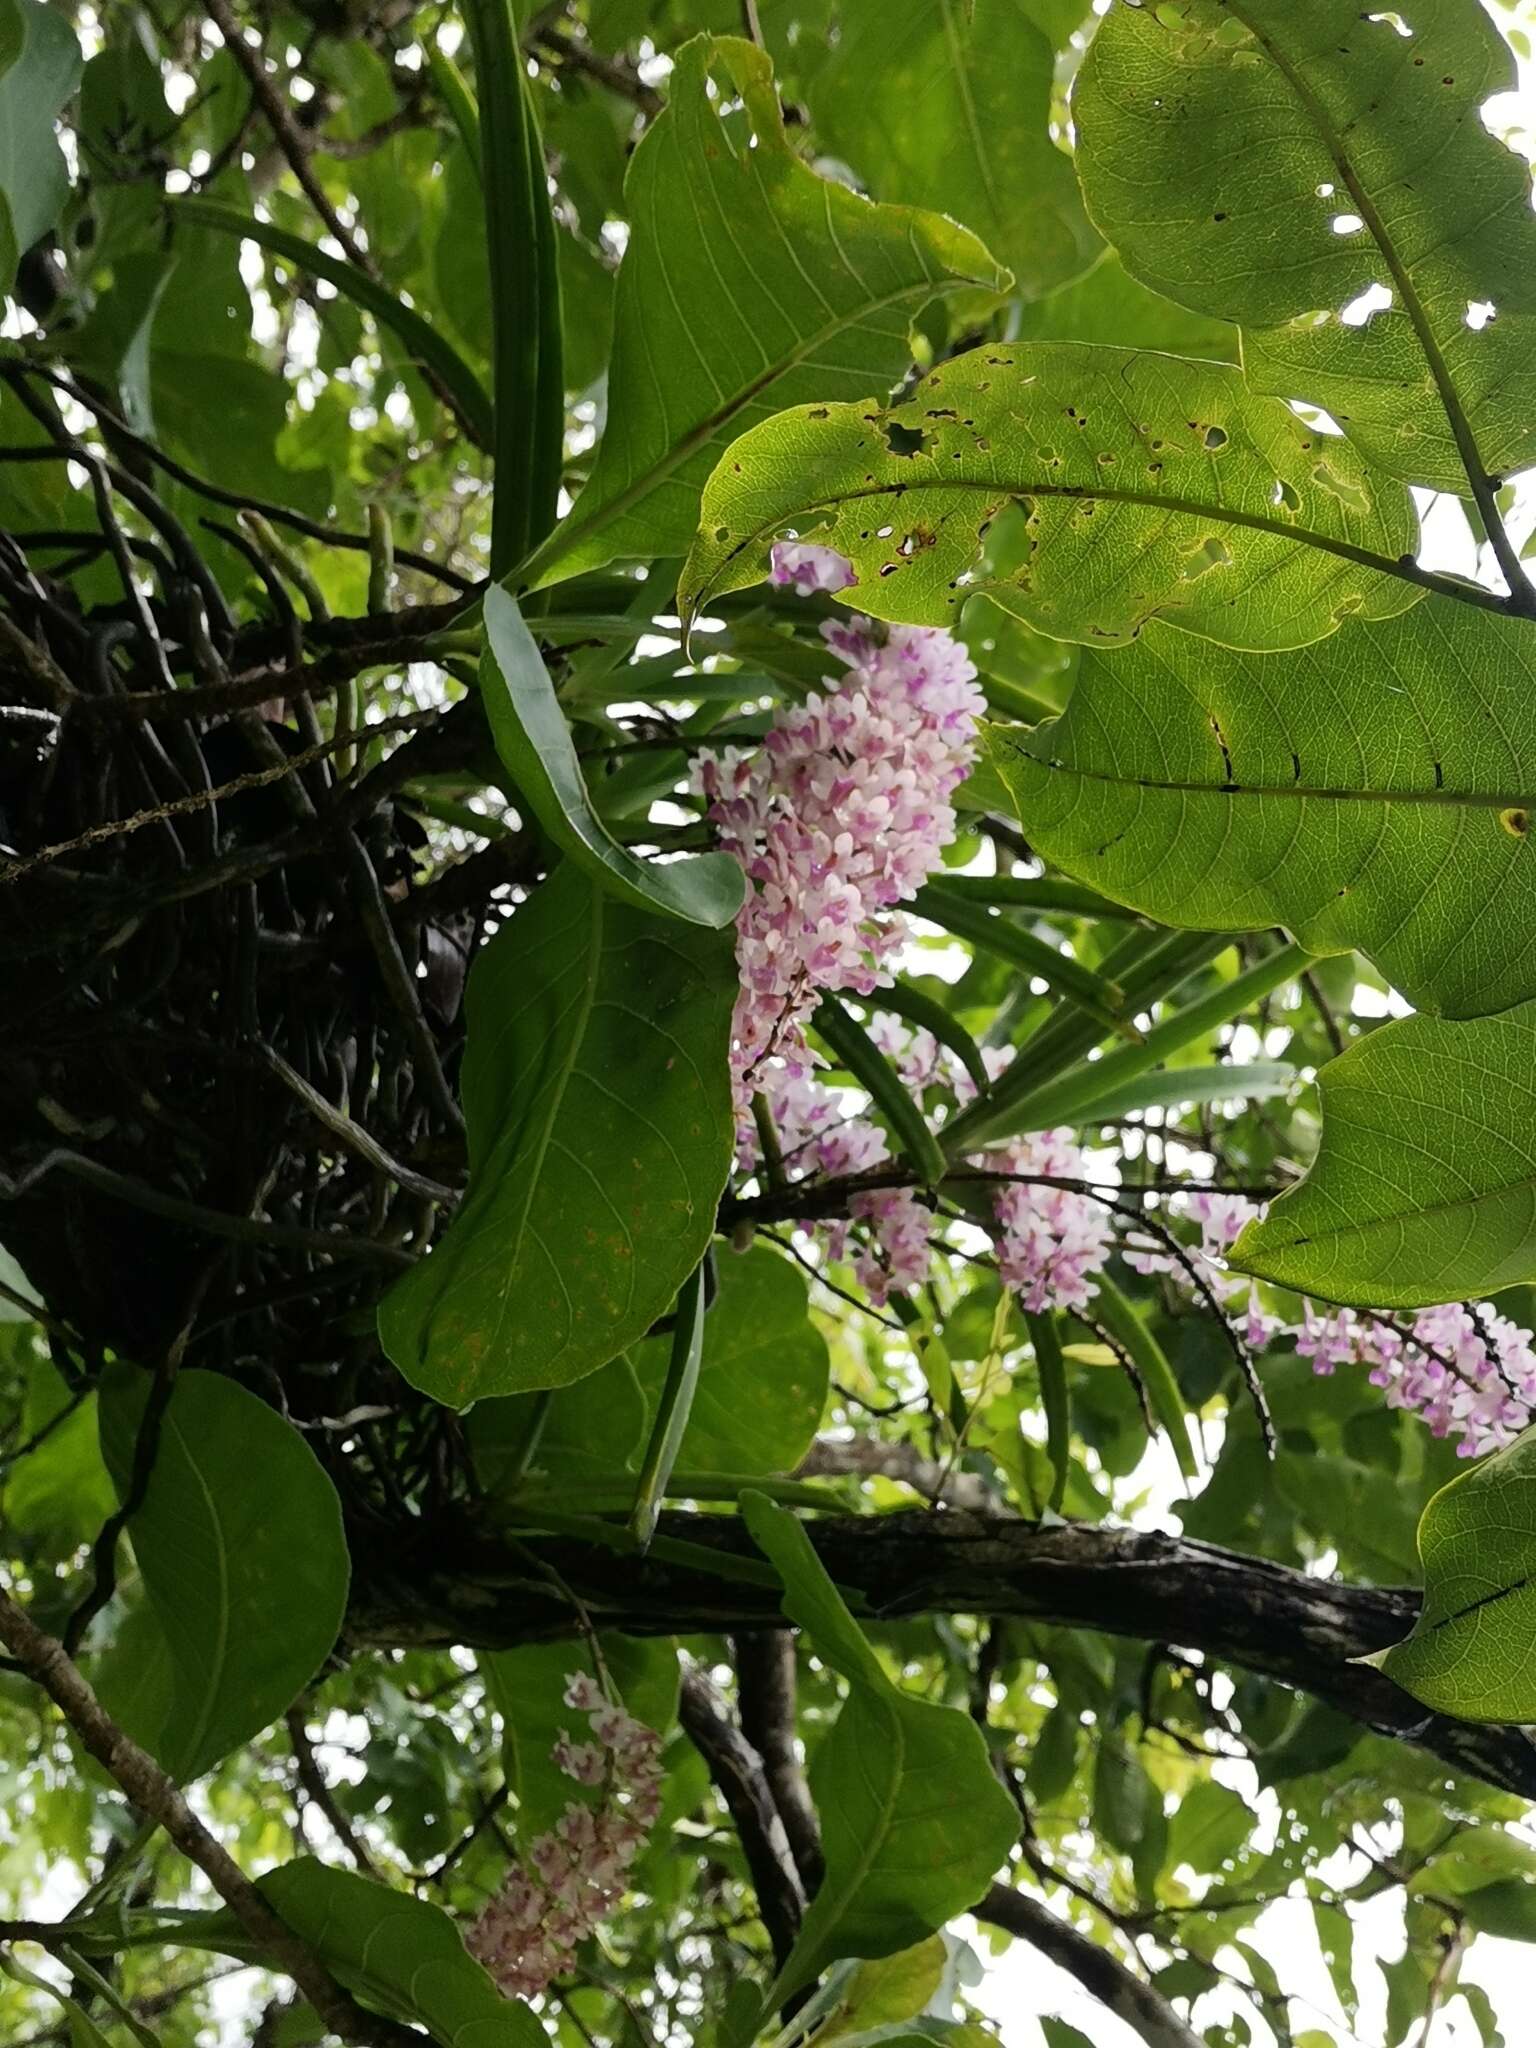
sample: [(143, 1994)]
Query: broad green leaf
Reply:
[(1424, 1188), (424, 343), (762, 1387), (39, 69), (240, 1546), (598, 1101), (1470, 1651), (1376, 795), (914, 1820), (1476, 1858), (535, 743), (1268, 161), (749, 284), (396, 1954), (527, 1685), (1155, 487), (947, 104), (1209, 1825)]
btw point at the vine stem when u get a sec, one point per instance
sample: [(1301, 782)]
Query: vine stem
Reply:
[(153, 1794)]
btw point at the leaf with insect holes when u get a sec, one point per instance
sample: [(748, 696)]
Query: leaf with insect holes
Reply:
[(1153, 488), (1272, 161)]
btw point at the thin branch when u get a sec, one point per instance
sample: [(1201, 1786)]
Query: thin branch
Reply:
[(320, 1795), (154, 1796), (1132, 2000), (737, 1771), (765, 1686)]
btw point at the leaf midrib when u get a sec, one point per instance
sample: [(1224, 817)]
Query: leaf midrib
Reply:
[(1413, 305), (1406, 570), (1492, 800), (838, 1902)]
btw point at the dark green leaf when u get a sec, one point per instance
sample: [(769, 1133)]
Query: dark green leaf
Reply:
[(914, 1821), (852, 1047), (1393, 762), (395, 1953), (39, 69), (1423, 1190), (1469, 1653), (528, 379), (240, 1546), (946, 104), (598, 1101)]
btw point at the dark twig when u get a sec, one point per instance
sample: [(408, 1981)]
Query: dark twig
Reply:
[(737, 1771)]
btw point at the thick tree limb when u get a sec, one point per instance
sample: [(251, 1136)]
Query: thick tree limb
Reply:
[(1145, 2011), (157, 1798), (453, 1585)]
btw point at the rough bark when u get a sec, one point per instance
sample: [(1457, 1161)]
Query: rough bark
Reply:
[(456, 1586)]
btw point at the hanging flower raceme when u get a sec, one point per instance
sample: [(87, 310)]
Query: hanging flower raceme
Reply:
[(573, 1876), (841, 815), (1469, 1372), (1050, 1240)]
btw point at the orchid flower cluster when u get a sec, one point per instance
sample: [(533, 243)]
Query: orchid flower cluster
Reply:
[(841, 816), (1466, 1370), (573, 1876)]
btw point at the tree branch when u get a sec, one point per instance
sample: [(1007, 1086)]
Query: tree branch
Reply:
[(459, 1585), (1145, 2011), (737, 1771), (765, 1684), (157, 1799)]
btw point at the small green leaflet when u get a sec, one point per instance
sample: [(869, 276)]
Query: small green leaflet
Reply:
[(914, 1820), (1471, 1653), (1268, 161), (1424, 1188), (1374, 791), (240, 1545), (535, 744), (598, 1101), (749, 284), (1154, 487)]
